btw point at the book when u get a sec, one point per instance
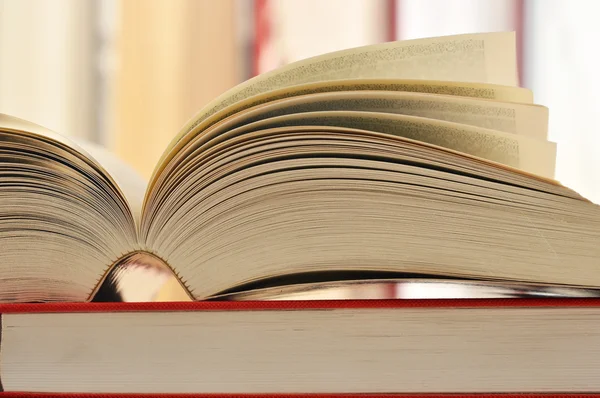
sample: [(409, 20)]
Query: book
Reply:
[(414, 158), (386, 395), (512, 346)]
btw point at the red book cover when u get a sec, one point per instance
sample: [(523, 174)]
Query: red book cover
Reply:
[(298, 306)]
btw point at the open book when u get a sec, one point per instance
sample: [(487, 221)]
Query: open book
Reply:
[(421, 157)]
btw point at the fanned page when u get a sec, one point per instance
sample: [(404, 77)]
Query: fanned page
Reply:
[(289, 199), (63, 218), (402, 176), (448, 88), (479, 58), (517, 95), (522, 119), (126, 178), (531, 155), (520, 152)]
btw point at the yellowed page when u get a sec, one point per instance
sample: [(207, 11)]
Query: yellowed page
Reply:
[(523, 119), (125, 180), (128, 180), (527, 154), (479, 58), (11, 123), (457, 89), (65, 220)]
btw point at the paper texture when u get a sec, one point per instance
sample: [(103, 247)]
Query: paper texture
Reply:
[(530, 155), (522, 119), (125, 179), (480, 58)]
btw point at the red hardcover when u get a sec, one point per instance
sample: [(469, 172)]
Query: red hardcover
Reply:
[(295, 305)]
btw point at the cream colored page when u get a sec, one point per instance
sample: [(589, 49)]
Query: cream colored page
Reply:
[(129, 181), (455, 89), (480, 58), (12, 123), (524, 153), (460, 89), (532, 121), (522, 119), (58, 180), (124, 178)]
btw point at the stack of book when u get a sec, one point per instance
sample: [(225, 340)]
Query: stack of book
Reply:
[(383, 164)]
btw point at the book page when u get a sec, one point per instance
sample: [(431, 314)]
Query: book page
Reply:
[(128, 180), (125, 180), (529, 155), (493, 92), (479, 58), (294, 183), (63, 220), (456, 89), (523, 119)]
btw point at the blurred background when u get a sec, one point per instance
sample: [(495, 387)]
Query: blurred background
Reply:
[(127, 74)]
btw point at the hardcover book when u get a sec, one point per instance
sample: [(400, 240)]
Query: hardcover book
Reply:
[(511, 346), (418, 157)]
